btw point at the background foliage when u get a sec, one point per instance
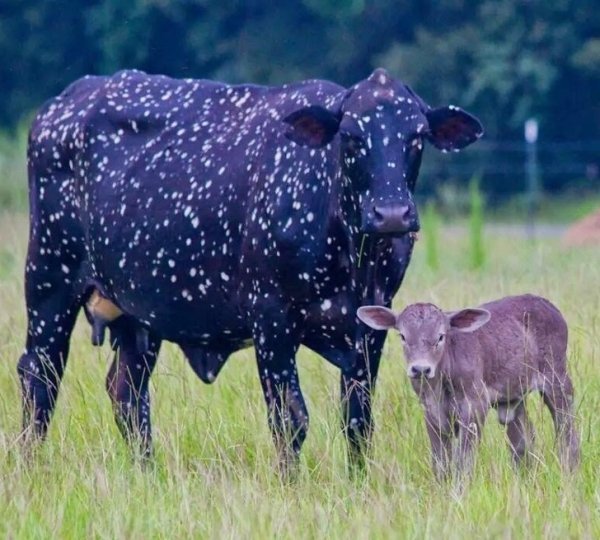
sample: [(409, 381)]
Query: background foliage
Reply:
[(505, 60)]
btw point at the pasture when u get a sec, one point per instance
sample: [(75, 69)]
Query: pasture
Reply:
[(214, 470)]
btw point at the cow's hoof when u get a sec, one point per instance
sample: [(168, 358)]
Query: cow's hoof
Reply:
[(98, 329), (288, 470), (142, 340)]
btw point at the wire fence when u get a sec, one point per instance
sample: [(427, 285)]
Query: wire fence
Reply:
[(572, 166), (563, 167)]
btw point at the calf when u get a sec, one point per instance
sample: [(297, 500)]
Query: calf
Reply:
[(462, 363)]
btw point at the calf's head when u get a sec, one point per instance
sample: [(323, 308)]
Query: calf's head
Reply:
[(382, 125), (424, 330)]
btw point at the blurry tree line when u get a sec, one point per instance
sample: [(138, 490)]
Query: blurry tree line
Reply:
[(504, 60)]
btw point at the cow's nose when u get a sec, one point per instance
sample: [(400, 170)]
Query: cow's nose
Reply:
[(420, 371), (395, 218)]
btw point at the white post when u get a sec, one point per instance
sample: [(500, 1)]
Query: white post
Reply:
[(532, 173)]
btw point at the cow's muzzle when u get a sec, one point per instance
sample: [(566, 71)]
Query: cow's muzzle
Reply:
[(394, 219)]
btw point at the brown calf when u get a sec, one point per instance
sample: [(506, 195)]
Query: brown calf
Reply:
[(464, 362)]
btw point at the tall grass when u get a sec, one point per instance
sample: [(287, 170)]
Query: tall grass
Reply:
[(214, 474), (430, 236), (476, 223)]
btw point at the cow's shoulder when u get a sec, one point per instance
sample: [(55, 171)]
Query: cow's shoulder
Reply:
[(309, 92), (134, 101), (66, 108)]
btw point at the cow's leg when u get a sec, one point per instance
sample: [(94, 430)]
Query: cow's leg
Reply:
[(357, 385), (53, 298), (276, 349), (53, 290), (127, 384), (558, 397), (41, 367)]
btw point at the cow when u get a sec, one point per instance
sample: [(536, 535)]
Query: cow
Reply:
[(218, 216), (462, 363)]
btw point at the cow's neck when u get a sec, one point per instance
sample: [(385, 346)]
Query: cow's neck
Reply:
[(365, 250), (370, 252)]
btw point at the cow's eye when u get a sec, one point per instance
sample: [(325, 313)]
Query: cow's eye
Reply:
[(414, 152), (441, 338), (402, 337), (415, 146), (355, 145)]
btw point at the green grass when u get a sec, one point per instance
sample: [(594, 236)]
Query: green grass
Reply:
[(214, 474), (476, 224), (430, 228), (13, 170), (565, 208)]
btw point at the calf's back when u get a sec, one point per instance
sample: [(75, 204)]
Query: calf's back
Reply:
[(524, 342)]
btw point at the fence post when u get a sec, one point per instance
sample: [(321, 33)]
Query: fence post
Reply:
[(532, 173)]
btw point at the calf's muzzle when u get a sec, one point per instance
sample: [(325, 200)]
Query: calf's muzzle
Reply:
[(416, 371)]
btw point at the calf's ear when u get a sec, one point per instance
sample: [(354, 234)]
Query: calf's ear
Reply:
[(451, 128), (377, 317), (468, 320), (312, 126)]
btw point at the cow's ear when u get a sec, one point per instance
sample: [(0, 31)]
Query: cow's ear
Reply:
[(312, 126), (468, 320), (451, 128), (377, 317)]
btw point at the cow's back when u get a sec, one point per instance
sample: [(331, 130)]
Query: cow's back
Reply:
[(160, 174), (100, 112)]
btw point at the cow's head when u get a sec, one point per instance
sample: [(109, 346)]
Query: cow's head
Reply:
[(382, 125)]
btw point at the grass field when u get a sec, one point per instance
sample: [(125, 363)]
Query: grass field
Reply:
[(214, 470)]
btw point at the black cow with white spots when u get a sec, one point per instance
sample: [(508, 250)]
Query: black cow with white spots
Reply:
[(216, 217)]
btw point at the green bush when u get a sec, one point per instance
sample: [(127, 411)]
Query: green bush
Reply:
[(13, 169)]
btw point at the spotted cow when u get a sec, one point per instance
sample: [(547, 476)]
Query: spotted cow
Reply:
[(216, 217)]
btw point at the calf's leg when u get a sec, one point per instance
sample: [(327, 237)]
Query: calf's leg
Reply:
[(471, 418), (520, 434), (127, 385), (440, 438), (558, 397)]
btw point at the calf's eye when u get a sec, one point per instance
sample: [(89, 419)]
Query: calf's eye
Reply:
[(441, 338), (402, 337)]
